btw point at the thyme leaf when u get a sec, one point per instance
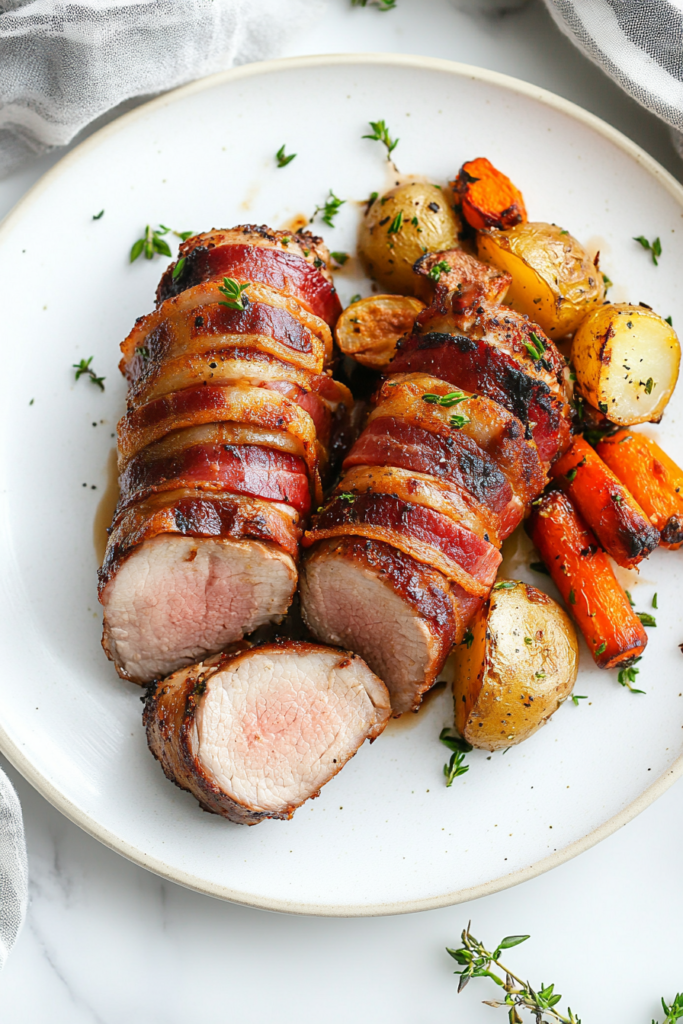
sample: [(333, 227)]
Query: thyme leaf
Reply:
[(283, 160), (233, 293), (329, 209), (380, 132), (84, 368), (655, 247)]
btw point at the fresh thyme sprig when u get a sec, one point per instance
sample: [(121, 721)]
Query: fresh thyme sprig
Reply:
[(84, 368), (233, 292), (329, 210), (477, 962), (673, 1011), (380, 133), (283, 160), (655, 248), (153, 242), (340, 257), (627, 676), (455, 767)]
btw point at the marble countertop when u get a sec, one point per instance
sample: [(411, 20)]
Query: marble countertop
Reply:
[(106, 941)]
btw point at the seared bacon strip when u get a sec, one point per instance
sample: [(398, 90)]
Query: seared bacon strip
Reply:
[(210, 258), (425, 535), (237, 469), (196, 321), (254, 733), (240, 404)]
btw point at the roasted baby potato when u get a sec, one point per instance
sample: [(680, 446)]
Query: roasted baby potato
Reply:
[(402, 225), (369, 329), (626, 360), (516, 664), (487, 196), (554, 281)]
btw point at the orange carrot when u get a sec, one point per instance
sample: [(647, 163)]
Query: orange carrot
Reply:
[(609, 509), (488, 197), (583, 575), (654, 480)]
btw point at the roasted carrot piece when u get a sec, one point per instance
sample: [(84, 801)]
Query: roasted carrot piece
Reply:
[(609, 509), (654, 480), (581, 572), (488, 197)]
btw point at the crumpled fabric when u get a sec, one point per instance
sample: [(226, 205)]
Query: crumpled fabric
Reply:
[(639, 43), (64, 63), (13, 868)]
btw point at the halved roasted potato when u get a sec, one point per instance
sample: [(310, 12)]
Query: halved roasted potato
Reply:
[(369, 329), (626, 360), (516, 664), (554, 281), (402, 225)]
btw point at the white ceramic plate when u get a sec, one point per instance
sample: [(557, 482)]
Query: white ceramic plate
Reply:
[(385, 836)]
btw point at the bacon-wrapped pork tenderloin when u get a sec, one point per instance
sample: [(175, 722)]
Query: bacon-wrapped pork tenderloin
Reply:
[(407, 546), (253, 733), (233, 422)]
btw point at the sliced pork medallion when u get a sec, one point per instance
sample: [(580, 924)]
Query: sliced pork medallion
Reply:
[(399, 614), (294, 265), (254, 733), (185, 574), (468, 281)]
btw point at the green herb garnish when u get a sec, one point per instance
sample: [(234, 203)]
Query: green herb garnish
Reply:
[(396, 224), (576, 697), (468, 638), (354, 298), (653, 247), (283, 160), (460, 747), (505, 585), (539, 567), (572, 596), (654, 602), (646, 618), (329, 210), (438, 269), (627, 676), (535, 347), (233, 292), (602, 648), (340, 257), (669, 321), (98, 216), (380, 132), (648, 385), (151, 242), (84, 368), (452, 398), (608, 283), (179, 267), (477, 962)]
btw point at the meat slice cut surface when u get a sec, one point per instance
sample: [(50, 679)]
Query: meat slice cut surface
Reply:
[(400, 615), (176, 599), (254, 733)]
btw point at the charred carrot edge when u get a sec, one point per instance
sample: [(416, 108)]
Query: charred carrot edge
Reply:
[(654, 480), (488, 197), (609, 508), (582, 573)]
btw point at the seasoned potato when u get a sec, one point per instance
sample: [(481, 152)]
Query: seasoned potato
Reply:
[(398, 228), (626, 360), (517, 664), (369, 329), (554, 280)]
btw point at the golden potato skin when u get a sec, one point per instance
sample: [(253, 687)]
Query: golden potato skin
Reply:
[(369, 330), (389, 255), (554, 281), (626, 360), (521, 665)]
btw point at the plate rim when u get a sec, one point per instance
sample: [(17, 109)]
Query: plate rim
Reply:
[(13, 752)]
